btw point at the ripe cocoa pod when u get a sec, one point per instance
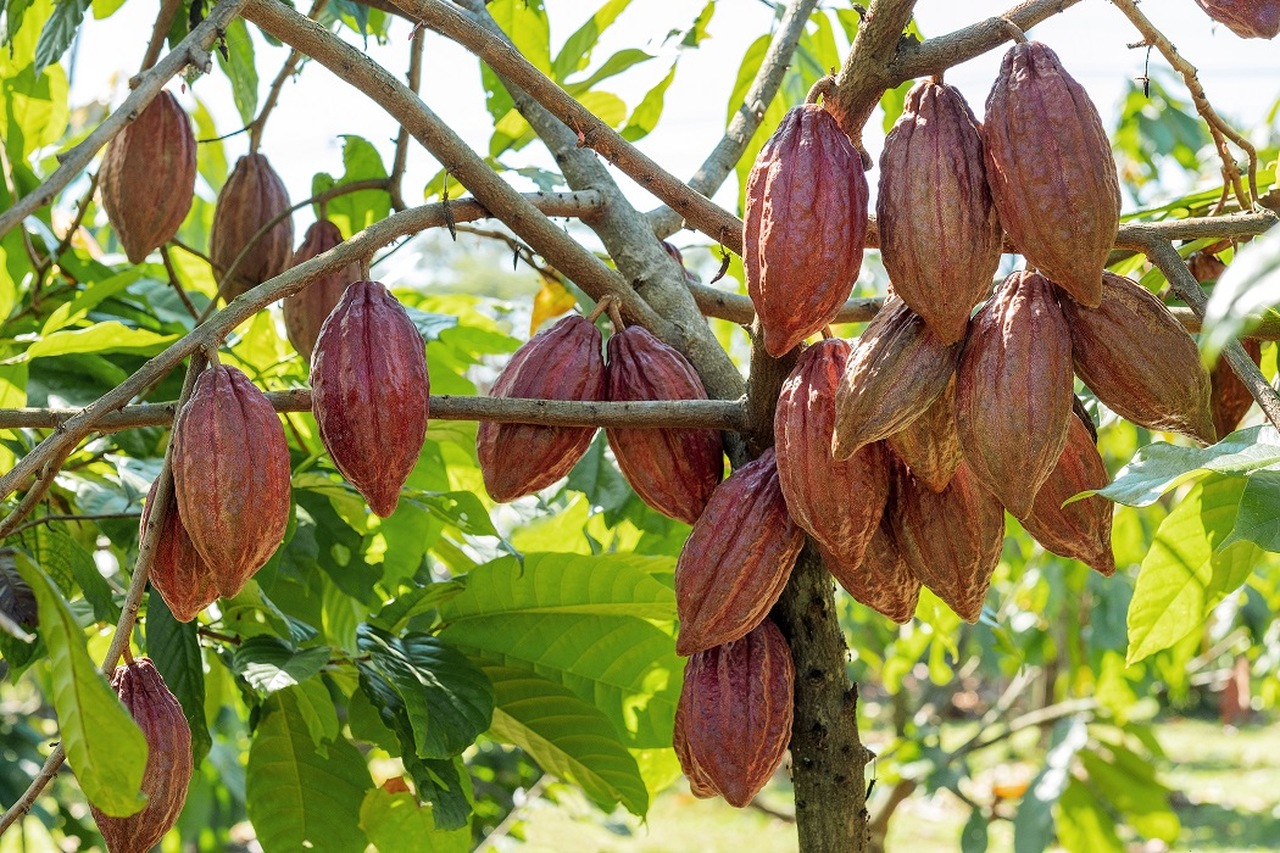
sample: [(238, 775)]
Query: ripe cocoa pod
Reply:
[(804, 227), (672, 470), (1014, 390), (1249, 19), (1080, 530), (168, 772), (252, 196), (951, 540), (231, 475), (370, 392), (883, 581), (939, 234), (178, 572), (737, 558), (305, 312), (1135, 356), (898, 368), (838, 503), (1050, 169), (930, 445), (561, 363), (733, 720), (148, 177), (1229, 399)]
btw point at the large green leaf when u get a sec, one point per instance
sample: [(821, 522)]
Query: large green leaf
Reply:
[(105, 337), (1084, 824), (1130, 786), (174, 648), (576, 53), (62, 555), (356, 211), (241, 69), (1250, 286), (59, 31), (104, 745), (644, 118), (399, 822), (268, 664), (298, 797), (1033, 824), (567, 737), (525, 23), (1159, 467), (1258, 521)]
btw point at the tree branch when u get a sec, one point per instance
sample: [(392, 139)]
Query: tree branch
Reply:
[(168, 8), (290, 68), (863, 78), (414, 80)]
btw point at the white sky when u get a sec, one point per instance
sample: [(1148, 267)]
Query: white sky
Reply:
[(1242, 77)]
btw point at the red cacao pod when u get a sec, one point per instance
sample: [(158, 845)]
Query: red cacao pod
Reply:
[(733, 720), (1136, 357), (1050, 169), (231, 475), (168, 772), (1014, 390), (838, 503), (148, 177), (930, 445), (672, 470), (939, 234), (370, 392), (561, 363), (952, 539), (1229, 399), (883, 581), (737, 558), (305, 311), (1249, 19), (252, 196), (804, 226), (1079, 530), (178, 572), (898, 368)]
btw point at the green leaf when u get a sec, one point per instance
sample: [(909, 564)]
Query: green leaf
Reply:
[(296, 797), (576, 53), (644, 118), (1033, 825), (241, 69), (974, 836), (1138, 796), (104, 745), (93, 295), (1176, 587), (174, 648), (395, 615), (1084, 825), (62, 555), (613, 66), (35, 110), (270, 665), (399, 822), (356, 211), (1159, 467), (1250, 286), (59, 31), (100, 338), (567, 737), (525, 23), (461, 510), (449, 701), (1257, 521)]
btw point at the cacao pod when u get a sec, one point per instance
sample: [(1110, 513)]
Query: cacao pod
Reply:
[(1080, 530), (896, 371), (672, 470), (1249, 19), (737, 558), (804, 227), (1050, 169), (1229, 399), (1014, 390), (370, 392), (838, 503), (231, 475), (305, 311), (560, 363), (951, 540), (930, 445), (252, 196), (733, 720), (883, 581), (168, 772), (939, 234), (1135, 356), (178, 572), (148, 177)]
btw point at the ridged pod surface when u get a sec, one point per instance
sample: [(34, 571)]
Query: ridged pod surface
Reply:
[(939, 233), (169, 765), (838, 503), (930, 444), (148, 177), (1229, 399), (897, 369), (736, 560), (305, 312), (672, 470), (883, 581), (1014, 390), (1249, 19), (178, 572), (733, 720), (560, 363), (951, 540), (370, 392), (1080, 530), (804, 226), (1050, 169), (231, 475), (252, 196), (1136, 357)]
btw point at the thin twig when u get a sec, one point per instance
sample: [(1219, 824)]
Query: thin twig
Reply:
[(164, 20), (50, 519), (289, 69), (414, 77), (177, 285), (82, 207)]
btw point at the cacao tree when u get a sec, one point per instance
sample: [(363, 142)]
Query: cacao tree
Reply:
[(351, 612)]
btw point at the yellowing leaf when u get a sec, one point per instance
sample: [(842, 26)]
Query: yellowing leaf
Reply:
[(552, 301)]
